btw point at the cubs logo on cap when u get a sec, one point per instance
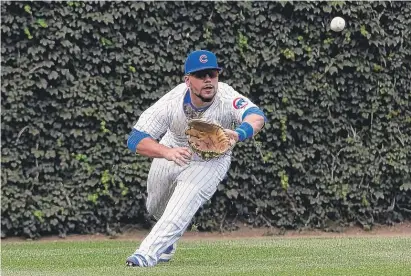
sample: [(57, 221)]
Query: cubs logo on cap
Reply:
[(200, 60), (239, 103), (203, 58)]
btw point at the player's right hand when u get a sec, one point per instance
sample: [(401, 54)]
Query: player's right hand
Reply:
[(181, 156)]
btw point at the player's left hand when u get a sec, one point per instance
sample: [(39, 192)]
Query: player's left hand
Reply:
[(233, 135)]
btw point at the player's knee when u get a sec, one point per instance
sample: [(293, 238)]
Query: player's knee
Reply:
[(153, 209), (206, 194), (150, 206)]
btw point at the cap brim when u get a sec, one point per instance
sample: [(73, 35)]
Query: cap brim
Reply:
[(204, 68)]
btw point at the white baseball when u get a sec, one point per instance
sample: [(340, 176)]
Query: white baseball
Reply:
[(337, 24)]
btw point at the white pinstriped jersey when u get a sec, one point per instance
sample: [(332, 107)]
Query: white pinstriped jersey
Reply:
[(167, 114)]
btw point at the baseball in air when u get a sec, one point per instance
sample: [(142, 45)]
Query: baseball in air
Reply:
[(337, 24)]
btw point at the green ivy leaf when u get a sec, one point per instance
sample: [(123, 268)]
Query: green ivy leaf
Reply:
[(42, 23), (53, 75), (27, 9), (333, 70)]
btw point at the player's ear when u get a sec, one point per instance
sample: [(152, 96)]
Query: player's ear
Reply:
[(187, 80)]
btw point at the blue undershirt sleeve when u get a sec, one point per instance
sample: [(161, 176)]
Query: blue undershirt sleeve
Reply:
[(134, 138), (254, 110)]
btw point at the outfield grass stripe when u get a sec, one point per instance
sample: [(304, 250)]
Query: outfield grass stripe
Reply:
[(268, 256)]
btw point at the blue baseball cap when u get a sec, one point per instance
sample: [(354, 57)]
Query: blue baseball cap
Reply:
[(200, 60)]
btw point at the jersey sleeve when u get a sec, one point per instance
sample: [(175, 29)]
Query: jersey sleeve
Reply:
[(237, 103), (155, 120)]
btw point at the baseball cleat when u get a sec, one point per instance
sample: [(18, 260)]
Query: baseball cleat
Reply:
[(133, 261), (168, 253)]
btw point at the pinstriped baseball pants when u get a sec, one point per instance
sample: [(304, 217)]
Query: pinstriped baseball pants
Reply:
[(174, 196)]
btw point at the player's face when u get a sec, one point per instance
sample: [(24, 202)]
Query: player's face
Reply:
[(203, 84)]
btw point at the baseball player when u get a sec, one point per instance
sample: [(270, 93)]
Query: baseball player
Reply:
[(179, 181)]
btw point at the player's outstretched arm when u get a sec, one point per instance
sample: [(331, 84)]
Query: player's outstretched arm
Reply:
[(151, 148), (256, 121), (251, 125)]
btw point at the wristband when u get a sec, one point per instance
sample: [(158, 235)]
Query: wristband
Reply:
[(245, 130)]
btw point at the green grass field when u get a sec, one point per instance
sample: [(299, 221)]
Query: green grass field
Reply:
[(263, 256)]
